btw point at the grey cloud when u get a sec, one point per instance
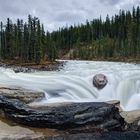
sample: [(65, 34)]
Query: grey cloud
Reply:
[(69, 16), (58, 13), (110, 2)]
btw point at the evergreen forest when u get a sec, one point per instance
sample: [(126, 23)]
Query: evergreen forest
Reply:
[(114, 38)]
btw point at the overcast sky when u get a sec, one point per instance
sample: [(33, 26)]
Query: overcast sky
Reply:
[(57, 13)]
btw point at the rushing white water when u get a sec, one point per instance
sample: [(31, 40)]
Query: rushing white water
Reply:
[(74, 83)]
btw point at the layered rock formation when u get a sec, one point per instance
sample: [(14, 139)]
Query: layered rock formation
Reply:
[(100, 121), (96, 115), (24, 95)]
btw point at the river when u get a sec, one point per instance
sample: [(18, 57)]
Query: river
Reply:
[(73, 83)]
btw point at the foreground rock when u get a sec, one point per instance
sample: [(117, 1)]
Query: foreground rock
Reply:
[(8, 132), (90, 121), (99, 81), (96, 115), (131, 116), (16, 132), (133, 119), (130, 135), (24, 95)]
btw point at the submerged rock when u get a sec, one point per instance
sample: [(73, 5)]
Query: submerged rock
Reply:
[(96, 115), (99, 81), (25, 95)]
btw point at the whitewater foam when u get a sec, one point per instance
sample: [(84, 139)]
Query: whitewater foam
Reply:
[(74, 83)]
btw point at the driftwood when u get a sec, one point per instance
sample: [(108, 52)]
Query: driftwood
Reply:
[(65, 116)]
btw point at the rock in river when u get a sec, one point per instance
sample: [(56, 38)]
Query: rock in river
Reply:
[(99, 81), (101, 116)]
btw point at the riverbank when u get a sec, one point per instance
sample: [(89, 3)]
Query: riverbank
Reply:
[(31, 67), (54, 66), (125, 60)]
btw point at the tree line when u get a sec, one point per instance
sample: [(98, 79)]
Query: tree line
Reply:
[(115, 37), (25, 41)]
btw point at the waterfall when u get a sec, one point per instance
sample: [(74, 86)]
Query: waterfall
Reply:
[(128, 92), (74, 83)]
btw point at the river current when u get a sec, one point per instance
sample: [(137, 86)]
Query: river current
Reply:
[(73, 83)]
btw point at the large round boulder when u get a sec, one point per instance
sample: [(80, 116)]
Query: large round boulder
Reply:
[(100, 81)]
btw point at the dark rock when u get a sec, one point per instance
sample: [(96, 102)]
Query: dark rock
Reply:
[(25, 95), (22, 69), (130, 135), (97, 115), (99, 81)]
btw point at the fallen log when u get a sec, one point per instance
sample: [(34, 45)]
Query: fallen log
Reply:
[(71, 115)]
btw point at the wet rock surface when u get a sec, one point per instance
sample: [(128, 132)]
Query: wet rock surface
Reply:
[(97, 115), (15, 132), (100, 81), (24, 95), (67, 121), (91, 121), (130, 135)]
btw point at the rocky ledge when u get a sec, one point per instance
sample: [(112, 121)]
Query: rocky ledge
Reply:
[(100, 116), (91, 121), (24, 95)]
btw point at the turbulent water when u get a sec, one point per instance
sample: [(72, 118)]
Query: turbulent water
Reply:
[(74, 83)]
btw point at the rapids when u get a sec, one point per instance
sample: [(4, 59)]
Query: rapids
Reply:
[(74, 83)]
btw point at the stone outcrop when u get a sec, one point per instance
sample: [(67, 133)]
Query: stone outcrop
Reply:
[(24, 95), (100, 121), (16, 132), (131, 116), (130, 135), (96, 115), (9, 132), (100, 81)]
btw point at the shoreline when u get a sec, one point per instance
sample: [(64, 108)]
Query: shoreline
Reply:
[(134, 61), (32, 67), (53, 66)]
